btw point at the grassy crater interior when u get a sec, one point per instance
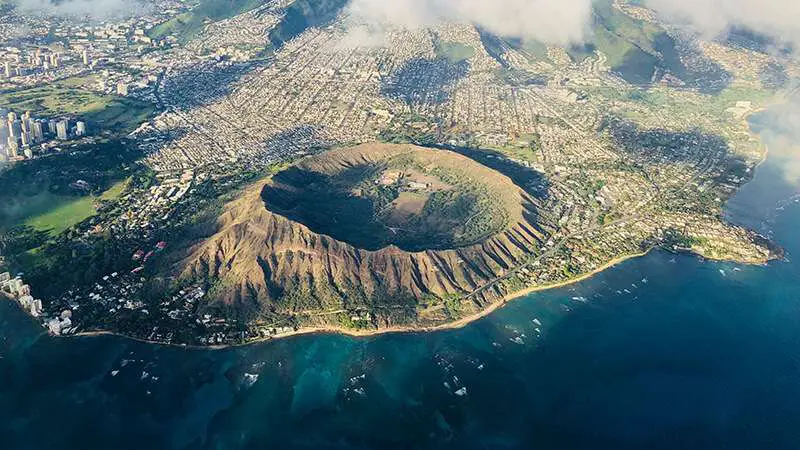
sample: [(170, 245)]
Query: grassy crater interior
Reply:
[(380, 195)]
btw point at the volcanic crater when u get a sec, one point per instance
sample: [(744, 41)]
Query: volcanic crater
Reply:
[(396, 230)]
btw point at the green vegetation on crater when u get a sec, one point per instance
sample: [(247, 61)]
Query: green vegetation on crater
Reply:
[(401, 200)]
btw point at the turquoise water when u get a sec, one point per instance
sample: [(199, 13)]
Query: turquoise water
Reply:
[(665, 351)]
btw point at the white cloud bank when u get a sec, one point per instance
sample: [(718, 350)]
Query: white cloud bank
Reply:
[(556, 22), (552, 21), (776, 18), (99, 9), (783, 139), (567, 21)]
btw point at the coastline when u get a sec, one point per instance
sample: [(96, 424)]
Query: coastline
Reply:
[(463, 322), (746, 120), (460, 323), (779, 98)]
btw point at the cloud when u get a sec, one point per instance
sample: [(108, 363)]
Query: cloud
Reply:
[(99, 9), (779, 19), (362, 35), (552, 21), (783, 138)]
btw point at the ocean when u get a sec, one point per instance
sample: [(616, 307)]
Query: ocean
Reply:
[(664, 351)]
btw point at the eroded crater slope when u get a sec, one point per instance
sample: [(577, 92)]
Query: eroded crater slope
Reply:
[(397, 232)]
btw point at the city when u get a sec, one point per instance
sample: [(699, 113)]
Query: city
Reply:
[(615, 169), (399, 224), (19, 136)]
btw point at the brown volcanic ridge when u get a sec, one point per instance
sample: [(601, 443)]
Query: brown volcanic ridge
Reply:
[(373, 236)]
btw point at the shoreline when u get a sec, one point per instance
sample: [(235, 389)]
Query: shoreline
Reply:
[(458, 324), (465, 321)]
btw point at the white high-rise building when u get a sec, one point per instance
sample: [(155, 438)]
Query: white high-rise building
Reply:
[(15, 128), (12, 147), (8, 69), (38, 131), (80, 128), (3, 140), (25, 123), (4, 134), (62, 128)]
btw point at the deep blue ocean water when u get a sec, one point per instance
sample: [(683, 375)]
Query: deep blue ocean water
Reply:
[(665, 351)]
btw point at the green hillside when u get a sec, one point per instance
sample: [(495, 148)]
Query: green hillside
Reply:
[(187, 25)]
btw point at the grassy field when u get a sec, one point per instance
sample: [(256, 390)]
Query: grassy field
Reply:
[(534, 48), (115, 190), (454, 52), (53, 213), (17, 209), (103, 112), (65, 214)]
